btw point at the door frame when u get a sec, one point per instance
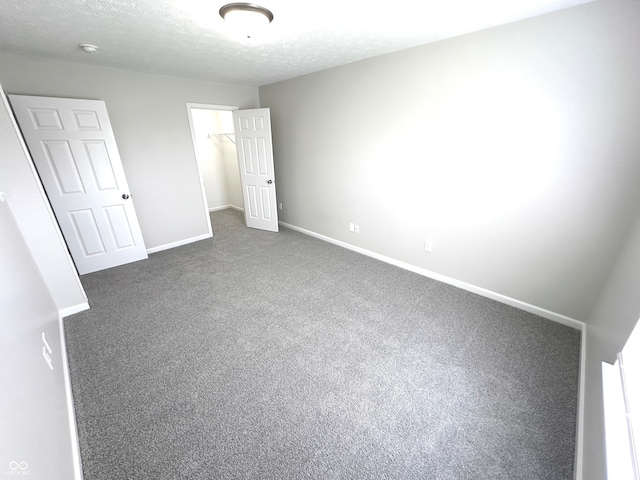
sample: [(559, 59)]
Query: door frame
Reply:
[(194, 141)]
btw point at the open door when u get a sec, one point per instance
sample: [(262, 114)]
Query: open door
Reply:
[(255, 157), (74, 150)]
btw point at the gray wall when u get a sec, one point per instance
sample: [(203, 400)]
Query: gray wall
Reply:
[(149, 118), (35, 430), (513, 150)]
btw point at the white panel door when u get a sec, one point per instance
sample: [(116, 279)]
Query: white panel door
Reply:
[(75, 153), (255, 156)]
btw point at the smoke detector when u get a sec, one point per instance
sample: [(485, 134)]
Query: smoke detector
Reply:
[(88, 48)]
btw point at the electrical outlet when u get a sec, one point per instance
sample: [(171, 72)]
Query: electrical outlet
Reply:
[(280, 205), (356, 228), (351, 227), (428, 246)]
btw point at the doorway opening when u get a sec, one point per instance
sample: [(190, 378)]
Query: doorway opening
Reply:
[(214, 143), (240, 178)]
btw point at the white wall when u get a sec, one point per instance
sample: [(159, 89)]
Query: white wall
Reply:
[(34, 216), (217, 157), (513, 150), (211, 163), (149, 118), (35, 438), (616, 312), (229, 152)]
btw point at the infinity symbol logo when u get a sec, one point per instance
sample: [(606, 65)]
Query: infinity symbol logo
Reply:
[(18, 466)]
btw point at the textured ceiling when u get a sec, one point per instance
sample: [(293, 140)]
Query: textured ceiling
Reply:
[(188, 38)]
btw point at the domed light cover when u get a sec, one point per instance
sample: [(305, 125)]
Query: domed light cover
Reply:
[(246, 17)]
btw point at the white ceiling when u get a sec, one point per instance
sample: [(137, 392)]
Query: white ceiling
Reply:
[(188, 38)]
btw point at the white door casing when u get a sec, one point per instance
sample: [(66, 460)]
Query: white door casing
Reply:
[(255, 157), (75, 153)]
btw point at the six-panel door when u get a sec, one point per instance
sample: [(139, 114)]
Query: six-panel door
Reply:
[(255, 156), (74, 150)]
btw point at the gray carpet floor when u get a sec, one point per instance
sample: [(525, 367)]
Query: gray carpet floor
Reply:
[(255, 355)]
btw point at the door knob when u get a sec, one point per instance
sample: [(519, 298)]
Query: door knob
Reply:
[(269, 182), (125, 196)]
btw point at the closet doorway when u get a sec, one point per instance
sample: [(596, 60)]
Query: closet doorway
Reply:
[(214, 143)]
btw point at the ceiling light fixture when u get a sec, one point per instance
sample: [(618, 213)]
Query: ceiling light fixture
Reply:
[(88, 48), (246, 17)]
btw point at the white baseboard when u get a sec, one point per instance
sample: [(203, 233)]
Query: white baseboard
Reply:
[(542, 312), (224, 207), (179, 243), (71, 412), (215, 209), (579, 460), (66, 312)]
